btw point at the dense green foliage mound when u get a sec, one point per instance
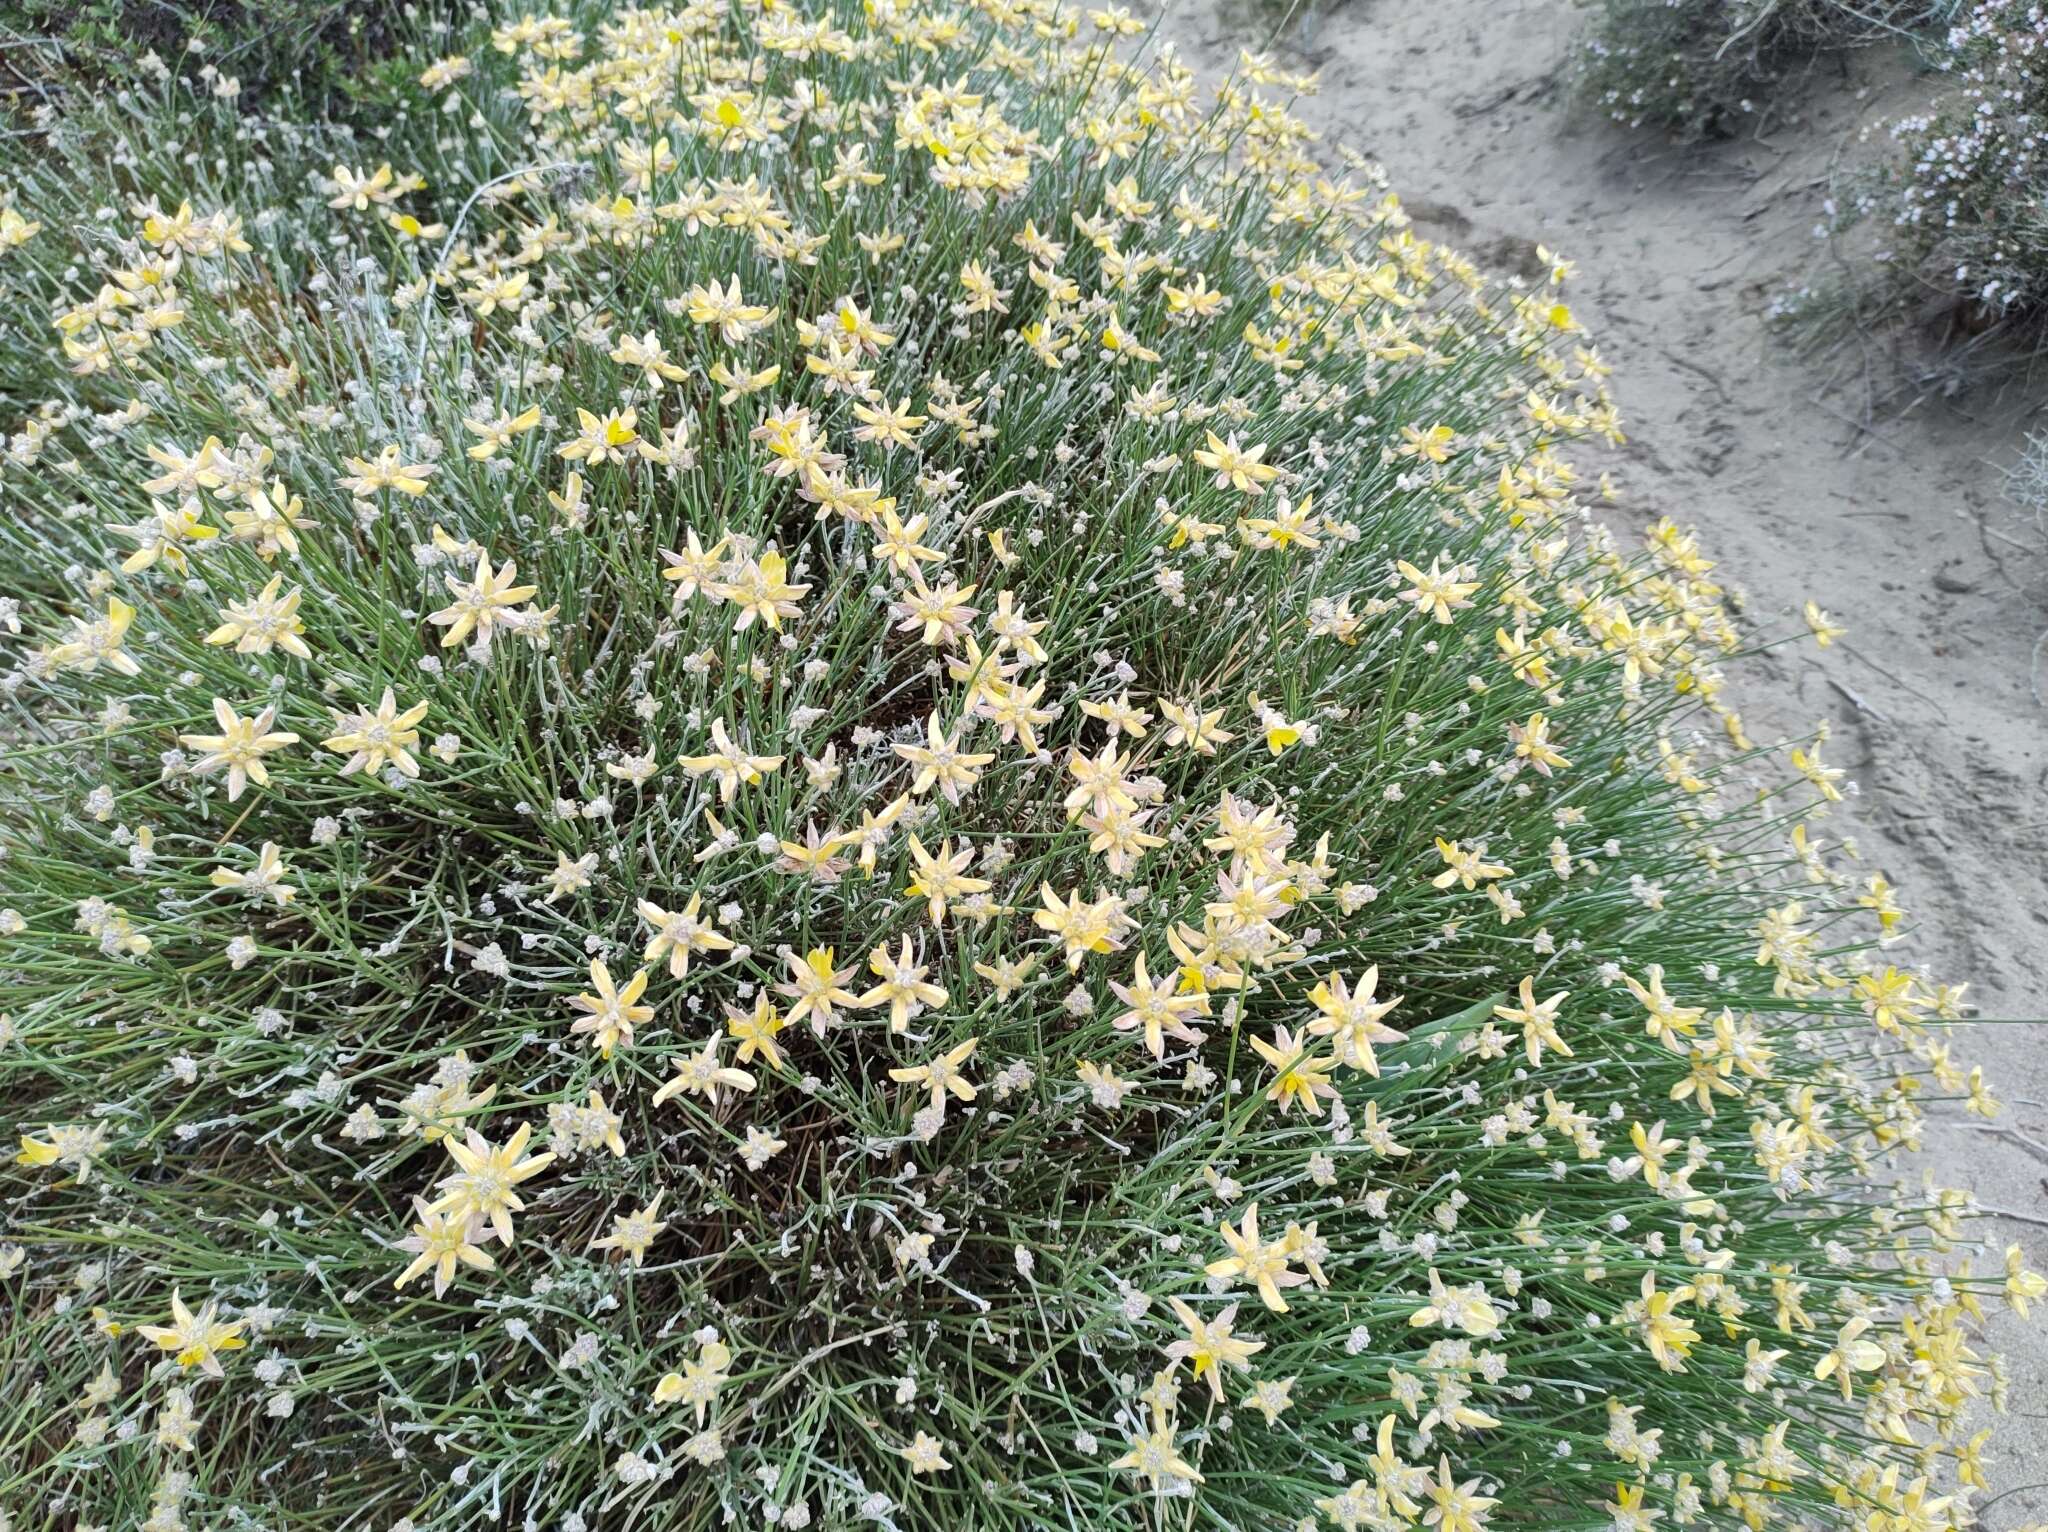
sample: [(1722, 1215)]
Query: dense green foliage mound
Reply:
[(839, 767)]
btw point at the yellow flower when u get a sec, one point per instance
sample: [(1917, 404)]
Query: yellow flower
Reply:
[(904, 989), (440, 1239), (1824, 628), (1666, 1021), (263, 622), (486, 1175), (1467, 1308), (729, 763), (890, 426), (272, 521), (1538, 1021), (726, 311), (239, 748), (1259, 1262), (755, 1030), (499, 431), (1196, 301), (1079, 926), (1456, 1507), (165, 537), (15, 230), (1533, 744), (2021, 1285), (1352, 1019), (942, 763), (409, 227), (1194, 728), (649, 357), (680, 934), (816, 987), (569, 503), (353, 190), (1211, 1346), (1669, 1337), (610, 1014), (1121, 346), (942, 877), (1100, 784), (941, 1075), (196, 1340), (1290, 526), (482, 604), (1235, 467), (1153, 1456), (1299, 1079), (897, 545), (758, 589), (701, 1074), (1465, 867), (266, 878), (1433, 445), (635, 1231), (387, 470), (373, 739), (1823, 776), (99, 642), (937, 616), (1850, 1355), (925, 1453), (1157, 1009), (184, 473), (1187, 528), (699, 1381), (696, 569), (602, 439), (1435, 592), (80, 1147)]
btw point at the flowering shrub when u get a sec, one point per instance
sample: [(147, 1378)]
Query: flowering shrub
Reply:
[(1694, 67), (1966, 199), (313, 50), (837, 769)]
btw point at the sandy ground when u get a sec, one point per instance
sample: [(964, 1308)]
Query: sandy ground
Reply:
[(1895, 522)]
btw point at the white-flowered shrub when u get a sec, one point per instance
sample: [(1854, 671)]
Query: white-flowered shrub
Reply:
[(1962, 206), (1703, 68)]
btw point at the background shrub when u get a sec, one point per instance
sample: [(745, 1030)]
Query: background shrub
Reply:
[(1965, 202), (316, 50), (1696, 68)]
